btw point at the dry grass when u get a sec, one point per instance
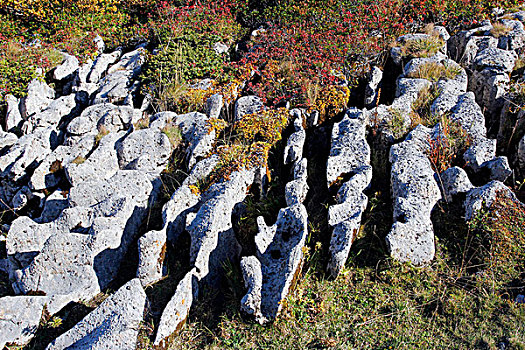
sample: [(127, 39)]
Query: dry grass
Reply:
[(142, 123), (499, 29), (421, 107), (102, 131), (452, 142), (435, 71), (425, 47), (78, 160)]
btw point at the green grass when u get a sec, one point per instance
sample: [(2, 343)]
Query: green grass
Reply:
[(397, 124)]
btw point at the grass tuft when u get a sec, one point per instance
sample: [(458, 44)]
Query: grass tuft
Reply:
[(424, 47), (435, 71), (499, 30), (421, 113)]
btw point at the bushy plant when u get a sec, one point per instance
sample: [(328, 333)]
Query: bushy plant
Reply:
[(19, 65), (186, 36), (265, 126)]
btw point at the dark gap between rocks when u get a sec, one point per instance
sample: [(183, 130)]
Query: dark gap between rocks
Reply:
[(318, 200), (391, 72), (369, 248)]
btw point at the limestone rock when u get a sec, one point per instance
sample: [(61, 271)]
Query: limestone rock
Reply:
[(68, 66), (496, 59), (101, 164), (474, 45), (21, 198), (7, 139), (515, 38), (212, 238), (521, 153), (297, 189), (101, 65), (13, 118), (253, 281), (114, 324), (458, 42), (293, 151), (39, 96), (345, 217), (483, 150), (469, 115), (371, 89), (499, 168), (19, 318), (105, 115), (54, 204), (415, 193), (147, 150), (118, 84), (490, 87), (214, 105), (349, 156), (25, 154), (279, 251), (47, 173), (247, 105), (220, 48), (182, 202), (484, 197), (349, 149), (453, 181), (152, 253), (177, 310), (85, 245), (196, 131)]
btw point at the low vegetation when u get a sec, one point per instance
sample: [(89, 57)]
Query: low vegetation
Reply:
[(396, 124), (422, 47), (421, 107), (435, 71), (449, 145), (499, 29)]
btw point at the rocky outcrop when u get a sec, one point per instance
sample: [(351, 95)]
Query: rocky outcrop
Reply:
[(118, 85), (349, 157), (270, 274), (84, 247), (277, 263), (247, 105), (415, 193), (484, 196), (213, 242), (177, 309)]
